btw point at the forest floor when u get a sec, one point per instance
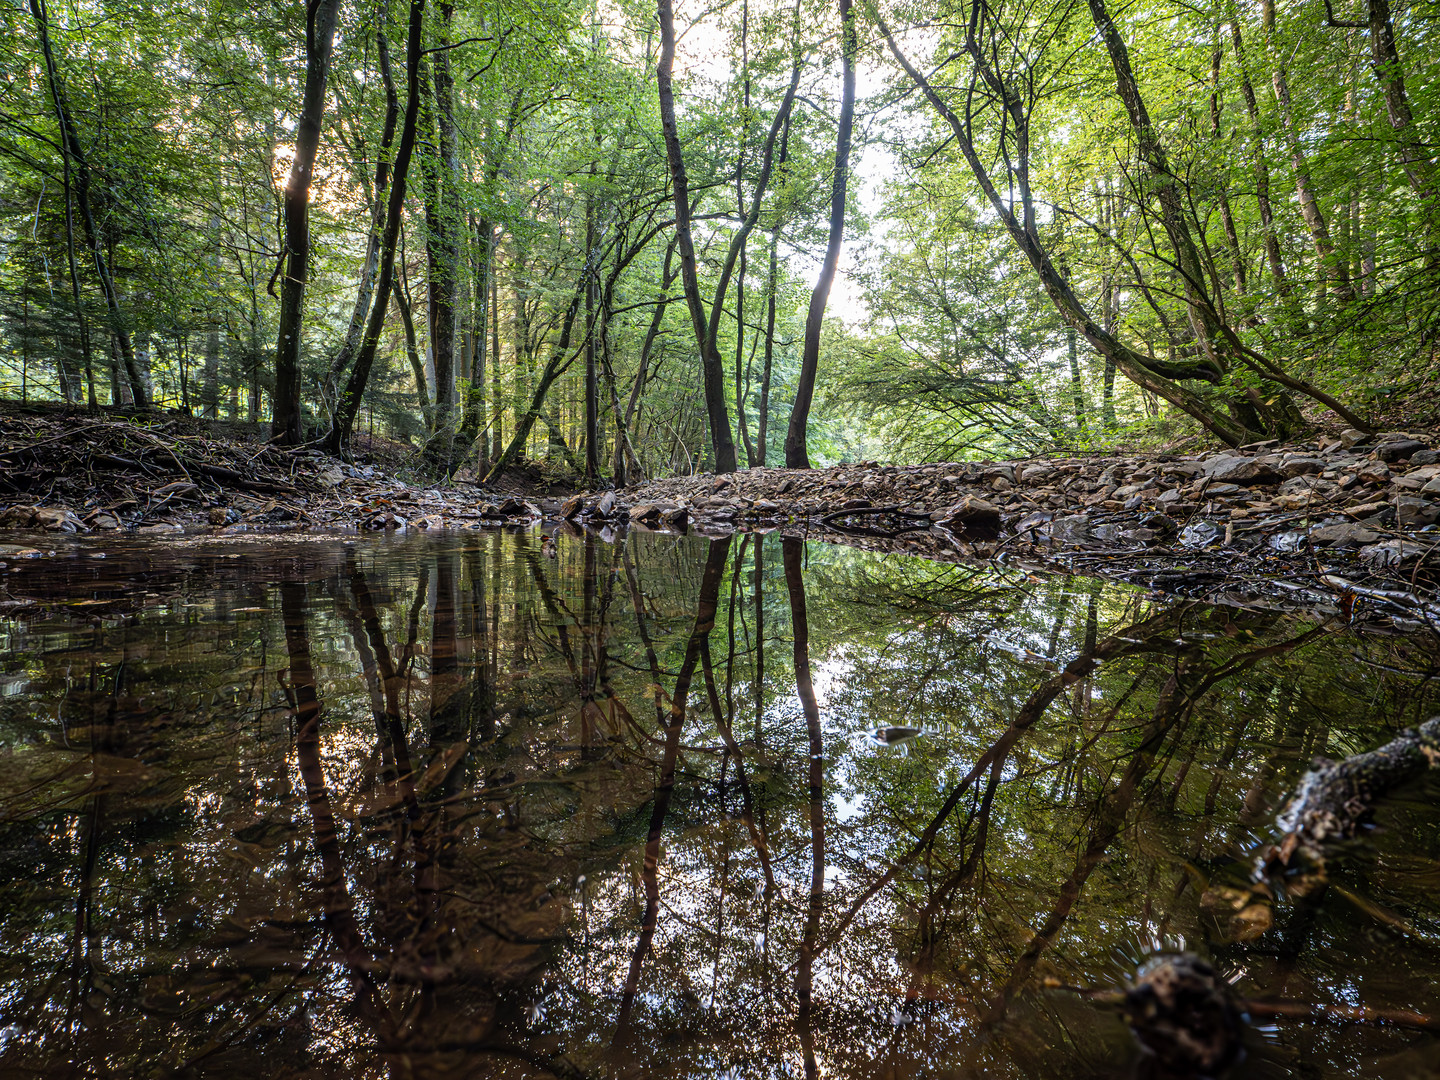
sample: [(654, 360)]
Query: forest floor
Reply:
[(1348, 520)]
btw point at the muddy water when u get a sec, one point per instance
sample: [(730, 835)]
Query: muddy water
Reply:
[(478, 805)]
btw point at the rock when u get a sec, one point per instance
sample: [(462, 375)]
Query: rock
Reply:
[(1398, 449), (1200, 534), (1298, 465), (646, 514), (1365, 510), (1432, 487), (104, 520), (1174, 495), (1287, 543), (571, 507), (1240, 470), (178, 489), (1000, 484), (677, 518), (1343, 534), (223, 515), (1412, 511), (972, 511), (56, 519), (1036, 474), (1352, 437), (1425, 457), (607, 503), (1374, 472), (331, 477), (1392, 553), (1074, 528)]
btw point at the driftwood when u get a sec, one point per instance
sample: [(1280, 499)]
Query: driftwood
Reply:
[(1331, 803)]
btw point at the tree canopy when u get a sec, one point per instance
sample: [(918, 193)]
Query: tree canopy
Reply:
[(605, 235)]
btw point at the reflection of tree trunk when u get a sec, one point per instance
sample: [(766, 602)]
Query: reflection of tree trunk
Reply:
[(715, 561), (792, 551), (338, 909), (1173, 708), (724, 714)]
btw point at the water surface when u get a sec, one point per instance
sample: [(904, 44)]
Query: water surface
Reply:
[(484, 805)]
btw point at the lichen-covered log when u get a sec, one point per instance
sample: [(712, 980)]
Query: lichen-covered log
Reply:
[(1336, 797), (1331, 802)]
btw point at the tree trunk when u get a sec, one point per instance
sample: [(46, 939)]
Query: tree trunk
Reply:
[(348, 407), (443, 216), (75, 154), (796, 445), (365, 294), (412, 354), (1262, 167), (285, 422), (1414, 153), (1332, 270), (711, 365)]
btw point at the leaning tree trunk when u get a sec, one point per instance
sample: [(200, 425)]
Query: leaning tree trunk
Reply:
[(320, 19), (75, 155), (712, 365), (796, 450), (348, 406), (365, 294)]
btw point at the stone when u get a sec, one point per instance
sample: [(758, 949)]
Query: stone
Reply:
[(1299, 465), (1416, 512), (1200, 534), (647, 514), (331, 477), (56, 519), (1352, 437), (1172, 496), (1036, 474), (607, 504), (1343, 534), (678, 518), (571, 507), (1425, 457), (1240, 470), (1432, 487), (1392, 553), (972, 511), (1000, 484), (107, 521), (1374, 472), (223, 515), (1398, 449)]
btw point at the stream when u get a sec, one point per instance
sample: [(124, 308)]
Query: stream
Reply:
[(487, 804)]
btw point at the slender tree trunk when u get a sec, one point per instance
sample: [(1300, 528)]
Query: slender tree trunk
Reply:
[(1415, 154), (348, 406), (443, 216), (1332, 270), (1227, 212), (74, 154), (365, 293), (592, 375), (796, 445), (1261, 166), (711, 365), (412, 354), (320, 19)]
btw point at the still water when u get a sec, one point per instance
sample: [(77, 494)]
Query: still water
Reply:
[(482, 805)]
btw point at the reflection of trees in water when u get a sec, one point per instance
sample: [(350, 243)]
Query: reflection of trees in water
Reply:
[(462, 808)]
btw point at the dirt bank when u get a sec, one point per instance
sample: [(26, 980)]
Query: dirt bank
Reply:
[(1350, 518), (1329, 525)]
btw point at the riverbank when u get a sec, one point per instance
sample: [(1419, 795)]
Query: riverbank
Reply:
[(1346, 519), (1350, 518)]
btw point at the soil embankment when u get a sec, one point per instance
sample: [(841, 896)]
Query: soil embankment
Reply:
[(1348, 519), (1345, 521)]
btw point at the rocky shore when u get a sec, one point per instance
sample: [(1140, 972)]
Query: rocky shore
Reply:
[(1350, 516)]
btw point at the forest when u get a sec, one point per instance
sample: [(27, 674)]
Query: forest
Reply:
[(626, 241)]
